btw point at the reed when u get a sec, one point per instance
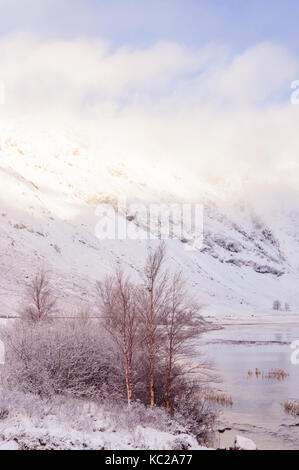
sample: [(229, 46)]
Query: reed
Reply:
[(291, 407), (220, 398)]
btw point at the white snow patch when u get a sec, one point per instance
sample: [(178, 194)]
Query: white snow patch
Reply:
[(243, 443)]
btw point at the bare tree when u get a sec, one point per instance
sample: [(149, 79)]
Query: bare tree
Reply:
[(152, 324), (276, 305), (84, 315), (41, 303), (153, 306), (118, 303), (182, 324)]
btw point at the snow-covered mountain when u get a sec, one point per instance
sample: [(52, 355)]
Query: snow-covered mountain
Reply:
[(51, 185)]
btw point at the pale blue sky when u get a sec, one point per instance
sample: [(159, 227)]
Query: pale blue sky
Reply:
[(237, 23), (252, 44)]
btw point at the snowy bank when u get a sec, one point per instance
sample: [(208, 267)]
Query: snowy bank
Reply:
[(61, 424)]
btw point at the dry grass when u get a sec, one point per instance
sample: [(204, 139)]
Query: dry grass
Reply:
[(291, 407), (273, 374), (277, 374), (220, 398), (257, 373)]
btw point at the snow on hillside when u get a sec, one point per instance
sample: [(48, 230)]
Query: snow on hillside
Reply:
[(51, 184)]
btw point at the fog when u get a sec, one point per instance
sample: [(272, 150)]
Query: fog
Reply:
[(227, 118)]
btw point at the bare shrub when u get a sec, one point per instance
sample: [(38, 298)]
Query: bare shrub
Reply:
[(4, 413), (196, 412)]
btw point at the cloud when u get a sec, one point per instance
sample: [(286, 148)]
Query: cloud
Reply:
[(66, 73), (204, 109), (258, 73)]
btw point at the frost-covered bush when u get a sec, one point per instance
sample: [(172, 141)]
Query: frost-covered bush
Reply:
[(65, 357), (74, 412), (190, 408), (137, 414)]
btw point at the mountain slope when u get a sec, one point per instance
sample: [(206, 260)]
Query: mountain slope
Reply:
[(51, 186)]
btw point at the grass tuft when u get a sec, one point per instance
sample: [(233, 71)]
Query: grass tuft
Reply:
[(220, 398), (291, 407), (273, 374)]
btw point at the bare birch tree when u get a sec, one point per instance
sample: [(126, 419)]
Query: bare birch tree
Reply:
[(153, 321), (182, 324), (41, 304), (153, 306), (118, 303)]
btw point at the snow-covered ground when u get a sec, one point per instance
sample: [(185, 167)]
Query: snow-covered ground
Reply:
[(50, 186), (61, 424)]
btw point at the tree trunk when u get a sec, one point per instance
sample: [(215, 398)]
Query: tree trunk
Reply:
[(130, 383), (128, 374), (170, 366), (151, 367)]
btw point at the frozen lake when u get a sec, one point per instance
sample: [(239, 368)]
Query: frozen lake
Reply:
[(257, 411)]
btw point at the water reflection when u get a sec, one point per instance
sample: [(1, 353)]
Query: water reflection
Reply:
[(257, 410)]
